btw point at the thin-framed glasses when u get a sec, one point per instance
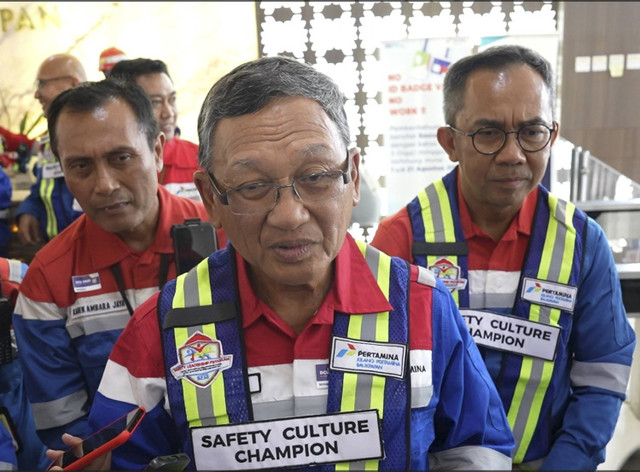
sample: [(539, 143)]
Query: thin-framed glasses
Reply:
[(40, 83), (261, 197), (490, 140)]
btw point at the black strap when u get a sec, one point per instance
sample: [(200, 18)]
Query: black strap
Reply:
[(199, 315), (163, 271), (115, 270), (439, 249)]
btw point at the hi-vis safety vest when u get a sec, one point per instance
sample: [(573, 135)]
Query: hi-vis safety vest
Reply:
[(205, 301), (554, 256), (50, 169)]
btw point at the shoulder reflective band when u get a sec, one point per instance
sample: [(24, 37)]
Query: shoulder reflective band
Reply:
[(556, 264), (437, 218), (192, 289)]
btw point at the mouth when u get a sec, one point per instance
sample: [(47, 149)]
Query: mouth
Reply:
[(114, 208), (292, 251), (510, 181)]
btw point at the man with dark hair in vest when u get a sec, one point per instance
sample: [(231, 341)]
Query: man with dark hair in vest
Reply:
[(82, 286)]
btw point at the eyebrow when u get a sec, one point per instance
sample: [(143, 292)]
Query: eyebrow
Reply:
[(484, 122)]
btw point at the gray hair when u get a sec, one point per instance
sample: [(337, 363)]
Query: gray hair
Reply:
[(493, 58), (251, 86)]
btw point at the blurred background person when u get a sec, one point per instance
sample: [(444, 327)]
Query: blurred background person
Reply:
[(180, 157)]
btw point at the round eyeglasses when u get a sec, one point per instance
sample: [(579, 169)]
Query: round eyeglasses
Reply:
[(261, 197), (490, 140)]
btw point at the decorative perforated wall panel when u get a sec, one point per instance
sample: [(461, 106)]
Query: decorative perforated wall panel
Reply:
[(343, 38)]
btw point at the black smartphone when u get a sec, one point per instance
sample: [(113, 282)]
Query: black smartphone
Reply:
[(193, 240), (100, 442), (178, 461)]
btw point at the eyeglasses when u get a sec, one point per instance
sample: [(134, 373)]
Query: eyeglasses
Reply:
[(490, 139), (261, 197), (40, 83)]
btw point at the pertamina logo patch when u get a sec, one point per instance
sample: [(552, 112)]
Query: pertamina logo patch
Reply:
[(201, 360)]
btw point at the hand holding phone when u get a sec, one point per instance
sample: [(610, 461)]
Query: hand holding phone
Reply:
[(100, 443)]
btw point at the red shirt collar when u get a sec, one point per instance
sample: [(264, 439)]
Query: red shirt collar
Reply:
[(114, 249), (354, 290), (520, 224)]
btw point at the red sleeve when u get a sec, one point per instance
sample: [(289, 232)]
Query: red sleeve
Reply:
[(394, 235), (139, 346), (421, 305)]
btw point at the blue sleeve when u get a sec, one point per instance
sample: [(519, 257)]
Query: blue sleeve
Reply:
[(13, 396), (53, 376), (156, 434), (32, 204), (602, 343), (5, 190), (469, 411), (8, 460)]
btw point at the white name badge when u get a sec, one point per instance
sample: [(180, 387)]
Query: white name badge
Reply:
[(385, 359), (512, 334), (86, 283), (554, 295), (184, 189), (299, 441), (52, 170)]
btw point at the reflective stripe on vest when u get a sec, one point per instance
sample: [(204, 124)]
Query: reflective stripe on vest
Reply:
[(47, 185), (362, 391), (226, 400), (554, 254), (435, 234), (187, 306), (556, 264)]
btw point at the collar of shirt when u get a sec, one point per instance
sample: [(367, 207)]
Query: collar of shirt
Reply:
[(351, 270), (521, 224), (113, 249)]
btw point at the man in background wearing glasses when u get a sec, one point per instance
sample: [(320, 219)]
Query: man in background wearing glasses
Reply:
[(534, 277), (50, 206)]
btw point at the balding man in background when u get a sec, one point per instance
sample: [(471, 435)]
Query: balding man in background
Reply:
[(50, 206)]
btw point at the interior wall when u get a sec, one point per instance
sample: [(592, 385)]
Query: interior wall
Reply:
[(199, 41), (600, 109)]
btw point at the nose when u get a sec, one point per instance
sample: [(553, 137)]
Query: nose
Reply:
[(511, 152), (289, 211), (167, 109), (106, 182)]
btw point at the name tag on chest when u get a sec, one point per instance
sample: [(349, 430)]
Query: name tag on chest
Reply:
[(52, 170), (299, 441), (512, 334)]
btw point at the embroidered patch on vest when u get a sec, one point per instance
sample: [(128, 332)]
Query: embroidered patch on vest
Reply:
[(554, 295), (200, 360), (449, 273), (385, 359)]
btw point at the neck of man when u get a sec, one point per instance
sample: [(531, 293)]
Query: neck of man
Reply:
[(493, 220), (294, 304)]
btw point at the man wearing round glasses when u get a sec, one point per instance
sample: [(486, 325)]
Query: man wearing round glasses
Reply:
[(533, 276), (50, 207)]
